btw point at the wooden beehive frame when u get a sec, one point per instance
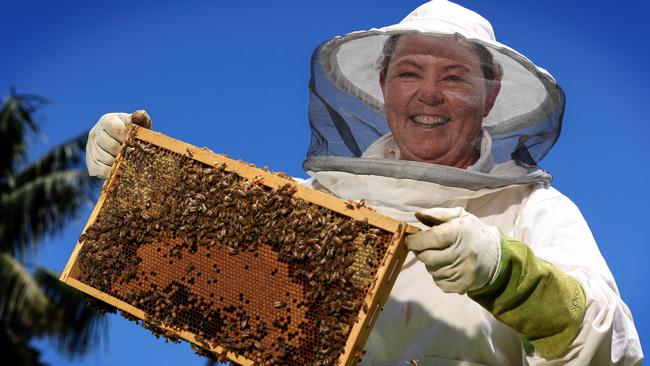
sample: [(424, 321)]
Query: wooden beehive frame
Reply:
[(378, 294)]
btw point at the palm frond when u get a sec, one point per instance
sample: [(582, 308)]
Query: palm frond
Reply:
[(17, 350), (42, 206), (22, 302), (16, 120), (36, 199), (68, 155), (71, 324)]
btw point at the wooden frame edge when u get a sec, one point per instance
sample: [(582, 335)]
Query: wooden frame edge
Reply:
[(140, 314), (380, 289), (377, 296), (108, 183), (269, 179)]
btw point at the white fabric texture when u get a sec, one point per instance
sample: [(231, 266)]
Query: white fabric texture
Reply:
[(460, 252), (104, 142), (421, 322)]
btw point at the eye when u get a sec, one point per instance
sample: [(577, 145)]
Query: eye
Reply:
[(455, 78), (408, 74)]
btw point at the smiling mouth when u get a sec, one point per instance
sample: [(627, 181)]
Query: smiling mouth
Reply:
[(429, 121)]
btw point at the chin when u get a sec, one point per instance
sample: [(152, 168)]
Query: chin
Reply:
[(422, 157)]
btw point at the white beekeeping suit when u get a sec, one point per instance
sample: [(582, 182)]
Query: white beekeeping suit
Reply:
[(354, 155), (548, 297)]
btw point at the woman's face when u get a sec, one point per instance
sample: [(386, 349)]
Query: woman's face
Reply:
[(435, 97)]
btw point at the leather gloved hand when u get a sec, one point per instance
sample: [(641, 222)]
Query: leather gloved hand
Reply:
[(461, 252), (106, 138)]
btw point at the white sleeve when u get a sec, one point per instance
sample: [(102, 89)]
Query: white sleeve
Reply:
[(556, 231)]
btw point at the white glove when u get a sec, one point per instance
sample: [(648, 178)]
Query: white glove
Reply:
[(106, 138), (460, 251)]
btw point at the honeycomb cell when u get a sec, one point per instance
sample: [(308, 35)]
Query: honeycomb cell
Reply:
[(260, 272)]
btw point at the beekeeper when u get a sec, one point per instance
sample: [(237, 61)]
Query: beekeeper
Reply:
[(433, 122)]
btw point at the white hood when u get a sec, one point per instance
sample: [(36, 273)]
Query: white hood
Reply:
[(347, 113)]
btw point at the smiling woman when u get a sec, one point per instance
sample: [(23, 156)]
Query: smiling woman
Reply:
[(436, 94), (446, 134), (232, 76)]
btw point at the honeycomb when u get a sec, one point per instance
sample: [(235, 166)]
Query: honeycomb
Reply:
[(258, 271)]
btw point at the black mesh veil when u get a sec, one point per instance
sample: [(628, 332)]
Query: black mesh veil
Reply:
[(346, 110), (341, 125)]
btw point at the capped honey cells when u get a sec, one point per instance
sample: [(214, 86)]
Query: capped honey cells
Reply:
[(258, 271)]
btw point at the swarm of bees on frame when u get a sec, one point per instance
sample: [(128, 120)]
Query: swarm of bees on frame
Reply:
[(257, 271)]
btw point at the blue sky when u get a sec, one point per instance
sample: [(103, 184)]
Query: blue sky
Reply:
[(233, 77)]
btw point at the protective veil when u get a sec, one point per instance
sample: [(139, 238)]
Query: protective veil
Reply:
[(347, 110), (354, 155)]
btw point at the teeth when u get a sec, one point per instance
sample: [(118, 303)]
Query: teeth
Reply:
[(430, 120)]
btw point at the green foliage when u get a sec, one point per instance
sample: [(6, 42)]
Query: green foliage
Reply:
[(23, 302), (41, 206), (16, 122), (71, 323), (37, 199)]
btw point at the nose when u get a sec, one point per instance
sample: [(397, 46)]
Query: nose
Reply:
[(429, 93)]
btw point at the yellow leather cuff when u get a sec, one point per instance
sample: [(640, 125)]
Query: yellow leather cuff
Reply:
[(535, 298)]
